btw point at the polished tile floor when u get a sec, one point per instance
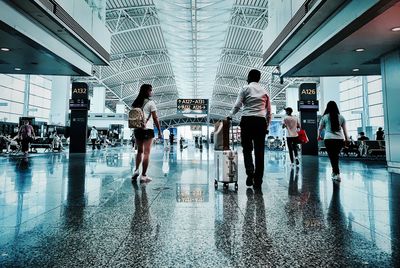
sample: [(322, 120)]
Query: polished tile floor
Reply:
[(83, 211)]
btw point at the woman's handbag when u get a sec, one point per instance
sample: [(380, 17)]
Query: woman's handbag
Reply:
[(302, 136)]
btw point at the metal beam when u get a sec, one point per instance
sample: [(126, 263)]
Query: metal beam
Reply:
[(134, 69)]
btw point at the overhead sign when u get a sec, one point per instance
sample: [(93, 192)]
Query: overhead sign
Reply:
[(79, 104), (308, 91), (195, 128), (80, 90), (192, 106), (308, 105)]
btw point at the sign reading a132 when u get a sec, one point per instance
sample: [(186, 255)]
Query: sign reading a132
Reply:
[(192, 106)]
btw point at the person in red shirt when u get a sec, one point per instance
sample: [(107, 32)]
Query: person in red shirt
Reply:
[(26, 135)]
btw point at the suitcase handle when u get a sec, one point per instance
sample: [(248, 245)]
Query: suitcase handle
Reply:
[(230, 120)]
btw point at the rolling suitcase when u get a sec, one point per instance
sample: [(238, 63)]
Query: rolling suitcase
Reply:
[(226, 161)]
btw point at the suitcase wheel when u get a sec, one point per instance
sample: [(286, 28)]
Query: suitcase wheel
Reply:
[(236, 186), (215, 184)]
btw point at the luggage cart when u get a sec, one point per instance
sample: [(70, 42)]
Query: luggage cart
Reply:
[(226, 164)]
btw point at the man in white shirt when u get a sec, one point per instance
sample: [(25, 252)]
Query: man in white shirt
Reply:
[(256, 117), (94, 134), (166, 134), (292, 124)]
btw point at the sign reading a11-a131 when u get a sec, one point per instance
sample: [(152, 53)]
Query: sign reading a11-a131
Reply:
[(192, 106)]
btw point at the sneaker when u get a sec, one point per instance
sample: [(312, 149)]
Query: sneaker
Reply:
[(336, 177), (249, 181), (145, 178), (135, 174)]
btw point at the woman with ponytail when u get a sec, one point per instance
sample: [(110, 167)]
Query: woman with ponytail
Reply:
[(144, 136), (335, 135)]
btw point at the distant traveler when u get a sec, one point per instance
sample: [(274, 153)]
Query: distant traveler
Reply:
[(171, 138), (94, 135), (292, 124), (380, 135), (256, 117), (26, 135), (333, 123), (144, 136), (363, 137), (166, 134)]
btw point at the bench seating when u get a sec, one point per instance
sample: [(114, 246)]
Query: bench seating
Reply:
[(375, 148), (41, 143)]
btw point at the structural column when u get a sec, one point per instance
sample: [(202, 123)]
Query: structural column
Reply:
[(98, 101), (120, 108), (329, 90), (27, 94), (292, 96), (390, 67), (60, 90)]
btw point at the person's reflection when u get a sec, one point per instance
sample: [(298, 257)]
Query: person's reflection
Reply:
[(23, 184), (225, 222), (292, 207), (313, 217), (256, 243), (336, 219), (141, 234), (165, 164), (76, 199)]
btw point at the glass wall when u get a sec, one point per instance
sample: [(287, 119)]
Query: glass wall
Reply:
[(352, 103), (40, 97), (375, 99), (12, 88), (12, 91)]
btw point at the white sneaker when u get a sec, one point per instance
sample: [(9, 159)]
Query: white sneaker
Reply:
[(135, 174), (336, 177), (145, 178)]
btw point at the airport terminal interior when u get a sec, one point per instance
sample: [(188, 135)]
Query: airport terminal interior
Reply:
[(70, 191)]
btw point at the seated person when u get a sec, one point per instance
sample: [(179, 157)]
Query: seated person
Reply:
[(363, 148), (4, 143), (363, 137), (14, 145), (380, 135), (56, 143)]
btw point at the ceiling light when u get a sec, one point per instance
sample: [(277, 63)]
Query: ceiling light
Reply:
[(356, 70), (360, 50), (17, 69), (6, 49), (396, 29)]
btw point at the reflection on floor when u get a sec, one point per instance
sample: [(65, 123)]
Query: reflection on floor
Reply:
[(63, 211)]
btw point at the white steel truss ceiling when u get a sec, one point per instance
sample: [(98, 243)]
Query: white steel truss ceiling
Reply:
[(186, 49)]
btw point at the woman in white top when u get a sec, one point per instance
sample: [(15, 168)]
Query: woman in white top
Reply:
[(144, 136), (333, 123), (256, 117), (292, 124)]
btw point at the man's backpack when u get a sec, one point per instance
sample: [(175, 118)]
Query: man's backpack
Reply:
[(136, 118)]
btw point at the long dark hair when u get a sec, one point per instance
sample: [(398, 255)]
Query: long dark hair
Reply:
[(144, 93), (333, 111)]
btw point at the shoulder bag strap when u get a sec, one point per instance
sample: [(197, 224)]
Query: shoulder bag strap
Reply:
[(144, 104)]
